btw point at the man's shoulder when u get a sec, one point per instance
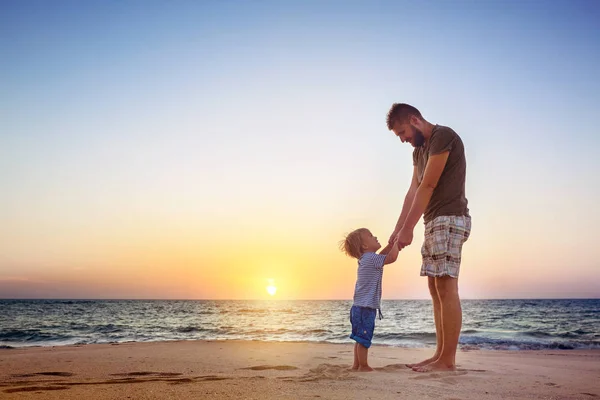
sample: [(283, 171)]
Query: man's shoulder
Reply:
[(444, 130), (444, 138)]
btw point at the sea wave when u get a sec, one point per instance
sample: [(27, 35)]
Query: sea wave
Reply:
[(493, 325)]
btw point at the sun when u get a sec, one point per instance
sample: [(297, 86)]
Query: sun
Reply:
[(271, 288)]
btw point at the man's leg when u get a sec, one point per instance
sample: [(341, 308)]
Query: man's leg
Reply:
[(451, 318), (437, 311)]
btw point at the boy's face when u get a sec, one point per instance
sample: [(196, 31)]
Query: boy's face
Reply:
[(370, 242)]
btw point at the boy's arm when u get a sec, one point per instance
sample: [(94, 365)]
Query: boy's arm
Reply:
[(386, 249), (391, 252)]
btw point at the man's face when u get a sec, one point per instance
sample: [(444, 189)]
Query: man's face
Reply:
[(408, 133)]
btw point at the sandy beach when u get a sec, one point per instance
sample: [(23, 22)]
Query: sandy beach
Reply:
[(260, 370)]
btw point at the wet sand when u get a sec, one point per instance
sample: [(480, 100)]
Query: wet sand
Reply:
[(259, 370)]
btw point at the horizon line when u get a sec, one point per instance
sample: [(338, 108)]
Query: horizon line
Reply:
[(271, 299)]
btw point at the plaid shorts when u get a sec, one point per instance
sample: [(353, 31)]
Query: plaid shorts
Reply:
[(441, 251)]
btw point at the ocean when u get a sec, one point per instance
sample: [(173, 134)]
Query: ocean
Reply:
[(487, 324)]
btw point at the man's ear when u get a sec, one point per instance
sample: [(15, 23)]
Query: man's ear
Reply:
[(415, 121)]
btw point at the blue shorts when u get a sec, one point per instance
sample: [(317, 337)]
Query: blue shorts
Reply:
[(363, 324)]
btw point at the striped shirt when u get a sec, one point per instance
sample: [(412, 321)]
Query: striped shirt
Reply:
[(367, 292)]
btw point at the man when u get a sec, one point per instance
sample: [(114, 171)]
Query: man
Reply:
[(437, 192)]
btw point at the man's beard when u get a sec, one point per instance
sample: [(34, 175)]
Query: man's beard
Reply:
[(418, 140)]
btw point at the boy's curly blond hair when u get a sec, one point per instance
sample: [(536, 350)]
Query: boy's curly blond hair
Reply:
[(352, 244)]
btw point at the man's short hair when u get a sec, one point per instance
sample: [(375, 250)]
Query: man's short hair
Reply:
[(400, 112)]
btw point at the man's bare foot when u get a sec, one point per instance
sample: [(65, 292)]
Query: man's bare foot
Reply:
[(365, 369), (435, 366), (354, 368), (422, 363)]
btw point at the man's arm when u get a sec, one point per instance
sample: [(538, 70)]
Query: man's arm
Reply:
[(408, 201), (433, 172)]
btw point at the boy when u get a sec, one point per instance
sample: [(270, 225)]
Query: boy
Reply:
[(362, 245)]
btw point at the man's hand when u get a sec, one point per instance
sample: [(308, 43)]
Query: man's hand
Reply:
[(405, 237)]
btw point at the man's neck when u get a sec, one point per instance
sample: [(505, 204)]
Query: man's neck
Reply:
[(427, 131)]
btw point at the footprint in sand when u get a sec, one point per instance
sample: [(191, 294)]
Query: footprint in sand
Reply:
[(276, 367), (392, 368), (323, 372), (447, 376), (177, 381), (35, 389), (148, 373), (43, 373), (122, 378), (449, 381)]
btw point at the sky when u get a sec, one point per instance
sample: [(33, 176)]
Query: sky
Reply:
[(207, 150)]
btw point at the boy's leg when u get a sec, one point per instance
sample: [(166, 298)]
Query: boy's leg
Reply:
[(363, 324), (363, 364), (355, 365)]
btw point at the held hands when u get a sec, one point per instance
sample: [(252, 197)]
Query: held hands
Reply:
[(404, 238)]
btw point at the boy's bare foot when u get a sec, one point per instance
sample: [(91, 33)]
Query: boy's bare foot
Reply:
[(422, 363), (435, 366), (365, 369)]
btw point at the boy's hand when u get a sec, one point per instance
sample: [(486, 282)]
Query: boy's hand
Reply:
[(396, 243), (391, 251), (393, 238)]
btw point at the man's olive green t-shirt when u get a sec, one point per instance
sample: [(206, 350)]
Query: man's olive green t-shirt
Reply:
[(448, 197)]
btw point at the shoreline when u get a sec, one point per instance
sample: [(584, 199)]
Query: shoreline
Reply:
[(228, 369), (461, 347)]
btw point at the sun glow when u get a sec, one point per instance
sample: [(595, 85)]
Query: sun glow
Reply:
[(271, 288)]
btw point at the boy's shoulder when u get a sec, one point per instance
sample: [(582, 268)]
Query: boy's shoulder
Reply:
[(371, 259), (367, 255)]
